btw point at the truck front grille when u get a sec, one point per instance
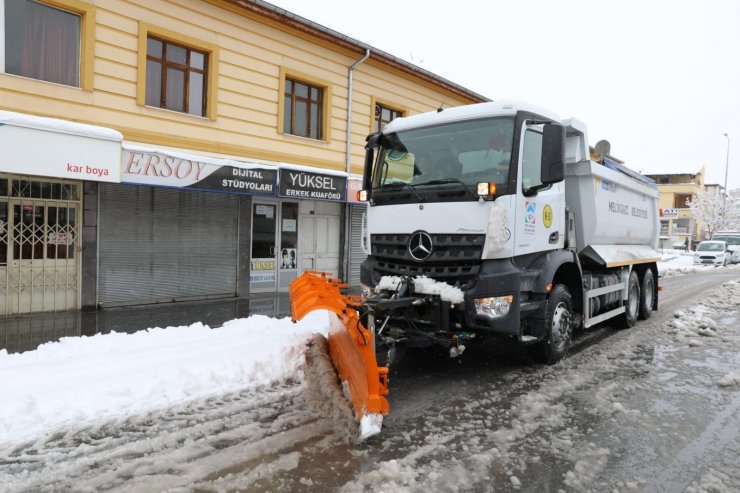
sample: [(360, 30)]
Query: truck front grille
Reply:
[(455, 258)]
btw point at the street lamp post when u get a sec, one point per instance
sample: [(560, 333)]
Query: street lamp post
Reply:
[(727, 165), (727, 160)]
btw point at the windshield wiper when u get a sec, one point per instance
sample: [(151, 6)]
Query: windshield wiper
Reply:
[(403, 184), (443, 181)]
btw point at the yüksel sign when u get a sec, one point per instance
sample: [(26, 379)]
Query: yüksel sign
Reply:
[(149, 167), (312, 186)]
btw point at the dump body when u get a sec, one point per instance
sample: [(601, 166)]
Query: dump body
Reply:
[(616, 216)]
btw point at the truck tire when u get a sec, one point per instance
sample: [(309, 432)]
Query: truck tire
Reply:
[(558, 327), (632, 305), (647, 294)]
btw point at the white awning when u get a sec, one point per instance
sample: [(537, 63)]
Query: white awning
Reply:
[(55, 148)]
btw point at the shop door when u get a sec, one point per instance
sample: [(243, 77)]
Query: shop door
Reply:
[(288, 261), (39, 243), (263, 264), (319, 238)]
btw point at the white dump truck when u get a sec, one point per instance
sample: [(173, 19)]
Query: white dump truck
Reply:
[(534, 232)]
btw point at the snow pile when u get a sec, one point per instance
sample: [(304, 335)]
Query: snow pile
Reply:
[(732, 379), (424, 285), (370, 425), (591, 462), (82, 379), (696, 326), (677, 262), (712, 481), (497, 227), (57, 125)]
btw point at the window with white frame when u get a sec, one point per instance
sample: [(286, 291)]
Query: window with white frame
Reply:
[(40, 41)]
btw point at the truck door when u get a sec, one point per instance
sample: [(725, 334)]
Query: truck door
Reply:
[(540, 216)]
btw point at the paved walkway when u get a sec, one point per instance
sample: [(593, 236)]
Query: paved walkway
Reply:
[(26, 332)]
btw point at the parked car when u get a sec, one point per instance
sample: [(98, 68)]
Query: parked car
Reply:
[(712, 252), (732, 238)]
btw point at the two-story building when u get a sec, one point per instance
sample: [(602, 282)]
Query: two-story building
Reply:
[(677, 224), (154, 151)]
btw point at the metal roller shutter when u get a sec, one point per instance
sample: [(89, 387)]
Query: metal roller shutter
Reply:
[(161, 244), (356, 255)]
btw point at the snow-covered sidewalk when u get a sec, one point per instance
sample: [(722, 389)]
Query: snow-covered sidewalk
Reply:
[(83, 379)]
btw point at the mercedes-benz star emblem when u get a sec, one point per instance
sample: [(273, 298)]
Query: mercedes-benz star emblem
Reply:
[(420, 246)]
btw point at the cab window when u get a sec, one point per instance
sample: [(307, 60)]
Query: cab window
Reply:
[(531, 159)]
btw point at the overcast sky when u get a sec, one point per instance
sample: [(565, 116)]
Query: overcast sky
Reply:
[(658, 79)]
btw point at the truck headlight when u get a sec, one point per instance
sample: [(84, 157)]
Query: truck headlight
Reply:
[(367, 291), (495, 307)]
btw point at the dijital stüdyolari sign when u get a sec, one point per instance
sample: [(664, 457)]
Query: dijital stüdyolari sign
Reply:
[(155, 168)]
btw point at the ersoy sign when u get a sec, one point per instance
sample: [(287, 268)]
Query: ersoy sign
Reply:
[(156, 168)]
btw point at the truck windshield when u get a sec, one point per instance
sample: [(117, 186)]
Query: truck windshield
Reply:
[(467, 152)]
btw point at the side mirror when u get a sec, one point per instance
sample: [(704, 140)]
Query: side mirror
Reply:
[(372, 140), (367, 172), (553, 153)]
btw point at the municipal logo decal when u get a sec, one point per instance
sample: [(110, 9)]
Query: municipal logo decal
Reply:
[(547, 216)]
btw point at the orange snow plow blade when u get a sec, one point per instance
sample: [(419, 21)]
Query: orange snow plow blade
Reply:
[(350, 343)]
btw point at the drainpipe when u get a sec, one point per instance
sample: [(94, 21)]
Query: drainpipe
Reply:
[(347, 209), (349, 105)]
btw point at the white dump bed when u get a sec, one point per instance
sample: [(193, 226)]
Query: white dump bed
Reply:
[(616, 216)]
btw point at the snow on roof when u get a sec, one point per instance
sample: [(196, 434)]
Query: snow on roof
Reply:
[(504, 107), (57, 125), (201, 158), (309, 169)]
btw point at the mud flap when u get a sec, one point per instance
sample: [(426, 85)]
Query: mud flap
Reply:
[(351, 346)]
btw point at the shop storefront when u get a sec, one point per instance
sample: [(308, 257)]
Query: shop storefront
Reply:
[(94, 222), (182, 226), (42, 231), (309, 236)]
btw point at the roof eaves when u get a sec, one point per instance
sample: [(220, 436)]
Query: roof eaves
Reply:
[(310, 27)]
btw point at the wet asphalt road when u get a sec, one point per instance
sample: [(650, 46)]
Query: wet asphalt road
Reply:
[(632, 410)]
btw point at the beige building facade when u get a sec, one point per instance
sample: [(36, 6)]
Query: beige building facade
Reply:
[(157, 151), (677, 223)]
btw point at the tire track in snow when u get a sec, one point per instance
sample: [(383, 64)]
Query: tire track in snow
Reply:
[(173, 448)]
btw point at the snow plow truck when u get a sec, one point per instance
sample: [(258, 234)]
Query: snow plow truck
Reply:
[(490, 219)]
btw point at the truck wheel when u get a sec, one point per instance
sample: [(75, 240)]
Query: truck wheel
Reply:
[(558, 327), (632, 306), (646, 295)]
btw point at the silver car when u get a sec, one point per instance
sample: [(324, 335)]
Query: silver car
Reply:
[(732, 238)]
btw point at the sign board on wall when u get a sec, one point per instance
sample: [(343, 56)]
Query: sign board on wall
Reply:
[(300, 184), (151, 167), (669, 213), (60, 149)]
